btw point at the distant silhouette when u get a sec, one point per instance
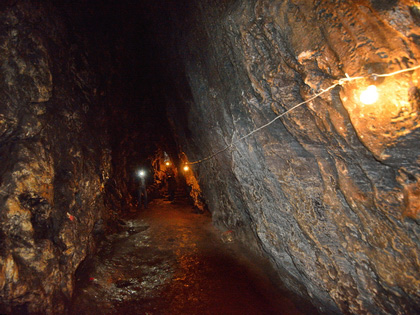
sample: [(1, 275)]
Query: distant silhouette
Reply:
[(171, 182), (142, 192)]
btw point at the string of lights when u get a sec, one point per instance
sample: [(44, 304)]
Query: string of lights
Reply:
[(341, 81)]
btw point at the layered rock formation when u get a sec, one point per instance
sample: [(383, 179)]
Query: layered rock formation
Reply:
[(330, 191), (76, 121), (53, 159)]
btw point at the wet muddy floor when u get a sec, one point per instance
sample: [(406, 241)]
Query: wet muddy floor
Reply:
[(170, 260)]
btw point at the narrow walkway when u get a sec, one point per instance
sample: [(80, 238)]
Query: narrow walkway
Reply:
[(170, 260)]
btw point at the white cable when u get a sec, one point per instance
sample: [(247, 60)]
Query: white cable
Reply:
[(339, 82)]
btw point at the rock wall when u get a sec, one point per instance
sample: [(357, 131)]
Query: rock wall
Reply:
[(54, 158), (330, 192)]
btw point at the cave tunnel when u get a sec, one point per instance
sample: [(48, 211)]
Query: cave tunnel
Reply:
[(297, 123)]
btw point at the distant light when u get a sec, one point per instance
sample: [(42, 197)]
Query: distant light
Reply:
[(168, 163), (141, 173), (370, 95), (186, 168)]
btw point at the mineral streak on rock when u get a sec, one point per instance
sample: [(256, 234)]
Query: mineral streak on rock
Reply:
[(330, 191), (51, 161)]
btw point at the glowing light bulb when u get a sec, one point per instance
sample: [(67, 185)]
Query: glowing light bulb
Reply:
[(370, 95), (168, 163), (186, 168), (141, 173)]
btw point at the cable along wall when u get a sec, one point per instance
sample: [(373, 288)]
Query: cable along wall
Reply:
[(327, 186)]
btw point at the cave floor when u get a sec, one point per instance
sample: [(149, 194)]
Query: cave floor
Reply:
[(170, 260)]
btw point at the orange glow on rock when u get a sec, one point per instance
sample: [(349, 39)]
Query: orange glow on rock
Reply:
[(194, 187), (383, 123)]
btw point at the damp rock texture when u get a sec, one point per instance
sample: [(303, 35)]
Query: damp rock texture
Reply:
[(53, 160), (330, 192)]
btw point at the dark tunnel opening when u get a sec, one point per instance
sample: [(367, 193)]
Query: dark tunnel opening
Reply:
[(292, 128), (130, 45)]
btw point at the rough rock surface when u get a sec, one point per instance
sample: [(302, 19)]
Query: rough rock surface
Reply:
[(53, 160), (330, 192)]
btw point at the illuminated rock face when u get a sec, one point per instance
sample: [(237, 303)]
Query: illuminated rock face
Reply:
[(330, 192), (52, 161)]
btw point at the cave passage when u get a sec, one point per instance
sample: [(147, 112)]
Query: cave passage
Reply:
[(169, 259), (311, 172)]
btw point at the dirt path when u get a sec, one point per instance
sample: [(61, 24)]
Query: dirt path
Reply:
[(172, 261)]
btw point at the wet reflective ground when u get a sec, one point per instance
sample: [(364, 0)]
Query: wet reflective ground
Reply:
[(170, 260)]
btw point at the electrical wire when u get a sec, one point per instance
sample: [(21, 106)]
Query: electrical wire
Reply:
[(339, 82)]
